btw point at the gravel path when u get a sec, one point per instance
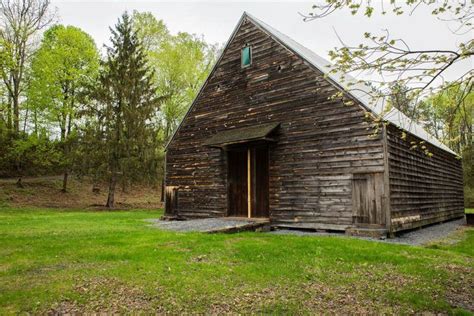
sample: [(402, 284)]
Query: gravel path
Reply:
[(201, 225), (415, 237)]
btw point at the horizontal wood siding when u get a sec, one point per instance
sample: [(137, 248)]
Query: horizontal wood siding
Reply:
[(321, 141), (423, 189)]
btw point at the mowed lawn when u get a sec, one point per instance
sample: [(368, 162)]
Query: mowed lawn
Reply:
[(82, 261)]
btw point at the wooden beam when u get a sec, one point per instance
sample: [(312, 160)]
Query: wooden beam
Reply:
[(249, 186)]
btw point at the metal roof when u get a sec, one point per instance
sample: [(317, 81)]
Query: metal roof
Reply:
[(362, 92)]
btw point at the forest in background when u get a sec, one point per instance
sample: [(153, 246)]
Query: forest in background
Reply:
[(68, 108)]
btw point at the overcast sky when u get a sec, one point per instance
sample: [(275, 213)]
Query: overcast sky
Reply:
[(215, 20)]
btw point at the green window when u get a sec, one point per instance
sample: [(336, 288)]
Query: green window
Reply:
[(246, 56)]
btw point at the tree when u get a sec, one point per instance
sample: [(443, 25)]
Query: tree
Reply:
[(181, 63), (5, 109), (449, 115), (129, 100), (66, 62), (20, 22), (152, 32), (401, 99), (384, 56)]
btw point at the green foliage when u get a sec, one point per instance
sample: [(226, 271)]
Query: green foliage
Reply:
[(448, 115), (64, 65), (66, 62), (20, 22), (181, 63), (5, 103), (152, 32), (29, 154), (147, 83), (468, 168)]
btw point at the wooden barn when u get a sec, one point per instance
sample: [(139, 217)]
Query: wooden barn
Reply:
[(274, 134)]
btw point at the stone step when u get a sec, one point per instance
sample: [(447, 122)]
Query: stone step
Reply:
[(367, 232)]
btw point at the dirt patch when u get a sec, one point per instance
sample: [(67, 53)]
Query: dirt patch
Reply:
[(109, 296), (318, 297), (46, 192), (362, 292), (460, 286), (310, 298)]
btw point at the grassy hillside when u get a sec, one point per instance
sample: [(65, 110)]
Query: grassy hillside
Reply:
[(46, 192), (85, 261)]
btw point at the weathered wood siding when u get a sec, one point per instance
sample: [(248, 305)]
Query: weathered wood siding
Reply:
[(423, 189), (321, 142)]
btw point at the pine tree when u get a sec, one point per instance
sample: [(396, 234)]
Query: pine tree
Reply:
[(128, 97)]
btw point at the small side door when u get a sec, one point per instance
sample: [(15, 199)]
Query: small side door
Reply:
[(367, 197)]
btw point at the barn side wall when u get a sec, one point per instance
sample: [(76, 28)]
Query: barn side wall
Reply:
[(423, 189), (322, 142)]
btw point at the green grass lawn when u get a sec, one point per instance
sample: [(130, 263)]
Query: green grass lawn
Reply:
[(469, 211), (79, 261)]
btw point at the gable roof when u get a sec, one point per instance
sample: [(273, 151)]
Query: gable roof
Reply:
[(359, 91)]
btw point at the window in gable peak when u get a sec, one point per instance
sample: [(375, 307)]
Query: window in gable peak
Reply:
[(246, 56)]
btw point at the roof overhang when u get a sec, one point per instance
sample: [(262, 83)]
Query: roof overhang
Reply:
[(237, 136)]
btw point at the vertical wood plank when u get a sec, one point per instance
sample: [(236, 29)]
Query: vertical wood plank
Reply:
[(386, 181), (249, 184)]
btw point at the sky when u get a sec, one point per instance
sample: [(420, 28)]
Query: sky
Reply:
[(215, 21)]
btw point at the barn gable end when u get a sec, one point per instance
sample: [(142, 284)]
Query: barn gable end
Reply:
[(321, 143), (327, 165)]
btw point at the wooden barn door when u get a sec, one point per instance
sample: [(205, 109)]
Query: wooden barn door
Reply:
[(367, 197), (237, 183), (260, 178), (248, 182)]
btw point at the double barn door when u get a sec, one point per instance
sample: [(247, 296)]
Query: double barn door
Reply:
[(248, 182)]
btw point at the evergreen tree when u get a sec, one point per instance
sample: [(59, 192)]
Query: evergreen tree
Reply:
[(128, 97)]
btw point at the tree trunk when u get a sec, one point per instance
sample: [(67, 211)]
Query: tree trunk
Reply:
[(35, 116), (64, 138), (66, 174), (26, 118), (163, 175), (162, 198), (111, 196), (16, 115), (9, 114)]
